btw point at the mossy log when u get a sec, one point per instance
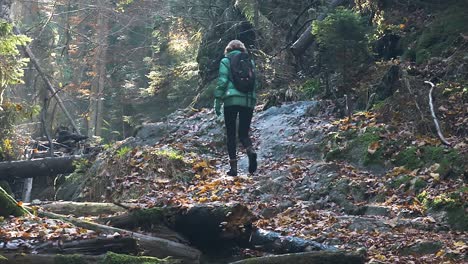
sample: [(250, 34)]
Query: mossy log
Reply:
[(37, 167), (209, 226), (98, 246), (322, 257), (109, 258), (206, 225), (150, 245), (8, 205), (84, 209)]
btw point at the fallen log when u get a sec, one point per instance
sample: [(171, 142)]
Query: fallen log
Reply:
[(97, 246), (83, 209), (152, 246), (207, 226), (322, 257), (37, 167), (273, 242), (9, 206), (109, 258), (307, 39)]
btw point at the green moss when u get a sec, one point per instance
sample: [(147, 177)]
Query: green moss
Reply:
[(450, 161), (149, 217), (422, 56), (69, 259), (357, 149), (8, 205), (442, 32), (6, 186), (112, 258), (409, 158), (207, 95), (401, 180), (452, 203), (311, 88), (335, 154), (457, 218), (170, 154), (418, 184)]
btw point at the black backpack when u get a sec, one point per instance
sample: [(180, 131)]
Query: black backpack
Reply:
[(242, 72)]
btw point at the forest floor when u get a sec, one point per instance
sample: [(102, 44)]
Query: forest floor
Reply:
[(365, 198)]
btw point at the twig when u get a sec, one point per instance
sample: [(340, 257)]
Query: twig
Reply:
[(370, 101), (408, 86), (436, 122)]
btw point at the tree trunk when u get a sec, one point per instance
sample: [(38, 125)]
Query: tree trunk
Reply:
[(97, 90), (37, 167), (8, 205), (307, 39), (47, 81), (307, 258)]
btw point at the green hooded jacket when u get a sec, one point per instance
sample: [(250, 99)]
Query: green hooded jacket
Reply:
[(225, 90)]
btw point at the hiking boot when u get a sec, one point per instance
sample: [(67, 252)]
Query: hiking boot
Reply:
[(252, 159), (233, 170)]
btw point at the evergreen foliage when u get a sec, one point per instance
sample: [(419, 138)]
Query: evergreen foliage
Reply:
[(11, 68), (343, 42)]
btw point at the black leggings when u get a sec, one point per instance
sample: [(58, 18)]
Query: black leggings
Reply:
[(230, 117)]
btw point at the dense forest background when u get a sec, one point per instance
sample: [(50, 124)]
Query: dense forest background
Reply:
[(118, 64), (360, 127)]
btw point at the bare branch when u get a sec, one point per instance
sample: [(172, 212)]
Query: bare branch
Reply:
[(436, 122)]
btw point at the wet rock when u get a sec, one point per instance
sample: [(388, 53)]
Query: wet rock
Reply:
[(422, 248), (376, 210), (359, 223), (308, 151), (269, 212), (153, 132)]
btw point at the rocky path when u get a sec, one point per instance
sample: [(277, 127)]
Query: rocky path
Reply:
[(294, 192)]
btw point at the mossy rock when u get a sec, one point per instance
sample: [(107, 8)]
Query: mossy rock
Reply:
[(449, 208), (356, 151), (112, 258), (422, 56), (422, 248), (70, 259), (207, 95), (450, 161), (401, 180), (71, 185)]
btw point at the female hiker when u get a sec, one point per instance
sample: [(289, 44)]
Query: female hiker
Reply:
[(236, 90)]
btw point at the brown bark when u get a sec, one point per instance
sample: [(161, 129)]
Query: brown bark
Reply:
[(307, 39), (307, 258), (37, 167), (97, 89)]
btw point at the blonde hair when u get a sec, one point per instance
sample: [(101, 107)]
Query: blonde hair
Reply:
[(235, 45)]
